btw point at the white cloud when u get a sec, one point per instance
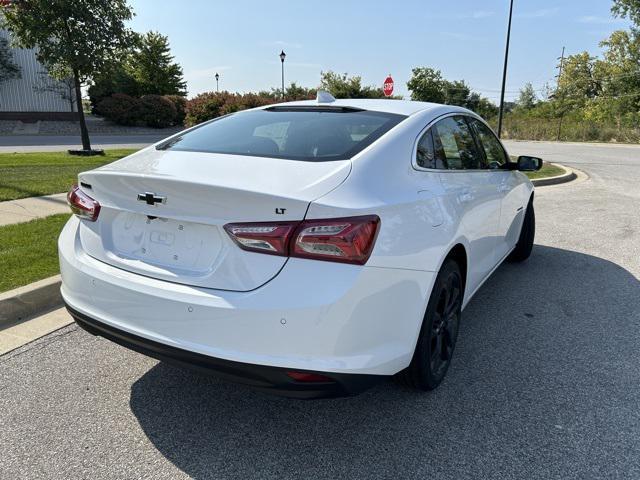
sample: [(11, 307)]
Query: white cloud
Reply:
[(543, 12), (593, 19)]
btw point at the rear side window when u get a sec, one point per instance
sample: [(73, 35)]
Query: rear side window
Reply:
[(308, 134), (493, 151), (455, 146), (426, 156)]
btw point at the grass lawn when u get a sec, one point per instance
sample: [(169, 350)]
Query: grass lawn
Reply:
[(34, 174), (547, 170), (29, 252)]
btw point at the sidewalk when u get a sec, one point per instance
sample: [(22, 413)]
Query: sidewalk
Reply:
[(60, 143), (25, 209)]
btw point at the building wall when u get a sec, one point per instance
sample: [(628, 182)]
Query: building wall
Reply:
[(19, 95)]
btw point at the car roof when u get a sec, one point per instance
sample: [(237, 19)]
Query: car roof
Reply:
[(400, 107)]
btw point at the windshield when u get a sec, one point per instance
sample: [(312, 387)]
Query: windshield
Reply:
[(309, 134)]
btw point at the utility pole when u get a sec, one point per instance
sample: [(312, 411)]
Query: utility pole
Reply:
[(504, 71), (561, 58)]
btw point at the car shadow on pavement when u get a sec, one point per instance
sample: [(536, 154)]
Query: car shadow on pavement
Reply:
[(544, 383)]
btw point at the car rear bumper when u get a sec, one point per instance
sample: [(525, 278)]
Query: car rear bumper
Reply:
[(313, 316), (269, 379)]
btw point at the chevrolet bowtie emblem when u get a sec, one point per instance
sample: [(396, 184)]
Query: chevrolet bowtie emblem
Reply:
[(151, 198)]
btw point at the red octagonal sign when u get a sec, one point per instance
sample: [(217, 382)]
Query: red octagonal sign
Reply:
[(387, 88)]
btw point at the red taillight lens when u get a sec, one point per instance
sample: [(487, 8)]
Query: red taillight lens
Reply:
[(346, 240), (307, 377), (272, 238), (82, 204)]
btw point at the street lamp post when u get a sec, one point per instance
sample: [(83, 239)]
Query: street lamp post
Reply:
[(282, 57), (217, 85), (504, 72)]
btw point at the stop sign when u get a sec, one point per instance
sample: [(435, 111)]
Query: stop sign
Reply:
[(387, 88)]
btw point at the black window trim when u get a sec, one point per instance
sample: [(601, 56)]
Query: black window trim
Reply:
[(429, 126)]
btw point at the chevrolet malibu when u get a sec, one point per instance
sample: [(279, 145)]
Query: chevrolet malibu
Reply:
[(308, 248)]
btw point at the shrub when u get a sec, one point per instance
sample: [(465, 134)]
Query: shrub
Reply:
[(205, 107), (181, 108), (156, 111), (213, 104), (119, 108)]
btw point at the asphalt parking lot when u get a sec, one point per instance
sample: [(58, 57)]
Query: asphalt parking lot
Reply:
[(545, 382)]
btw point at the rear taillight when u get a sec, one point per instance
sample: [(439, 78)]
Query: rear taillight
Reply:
[(346, 240), (272, 238), (82, 204)]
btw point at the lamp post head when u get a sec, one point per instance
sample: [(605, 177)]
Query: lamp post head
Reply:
[(282, 56)]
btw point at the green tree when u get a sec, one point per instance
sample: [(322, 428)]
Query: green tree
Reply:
[(481, 105), (627, 8), (578, 83), (343, 86), (427, 85), (527, 98), (77, 36), (153, 68), (115, 78), (291, 93), (296, 92), (618, 74), (456, 93), (8, 68)]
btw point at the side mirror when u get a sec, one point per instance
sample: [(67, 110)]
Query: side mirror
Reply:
[(529, 164)]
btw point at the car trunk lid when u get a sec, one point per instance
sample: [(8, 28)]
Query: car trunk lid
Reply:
[(162, 212)]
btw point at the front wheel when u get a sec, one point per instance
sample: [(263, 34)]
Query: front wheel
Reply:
[(523, 248), (439, 331)]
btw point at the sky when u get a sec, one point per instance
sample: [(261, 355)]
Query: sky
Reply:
[(465, 39)]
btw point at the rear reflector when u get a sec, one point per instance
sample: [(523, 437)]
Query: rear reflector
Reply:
[(346, 240), (309, 377), (82, 204)]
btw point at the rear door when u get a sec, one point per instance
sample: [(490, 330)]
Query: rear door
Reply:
[(472, 191)]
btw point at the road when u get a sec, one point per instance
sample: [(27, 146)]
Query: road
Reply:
[(545, 382), (53, 143)]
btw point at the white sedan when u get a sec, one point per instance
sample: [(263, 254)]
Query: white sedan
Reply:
[(308, 249)]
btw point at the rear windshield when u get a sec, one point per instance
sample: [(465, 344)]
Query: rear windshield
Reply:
[(309, 134)]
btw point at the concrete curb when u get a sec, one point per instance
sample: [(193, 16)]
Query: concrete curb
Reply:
[(33, 299), (568, 176)]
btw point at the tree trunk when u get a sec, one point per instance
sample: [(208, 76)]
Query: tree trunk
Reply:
[(84, 133)]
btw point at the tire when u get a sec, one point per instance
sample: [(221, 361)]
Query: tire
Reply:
[(438, 333), (527, 234)]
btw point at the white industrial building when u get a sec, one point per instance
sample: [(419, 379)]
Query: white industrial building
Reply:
[(35, 95)]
